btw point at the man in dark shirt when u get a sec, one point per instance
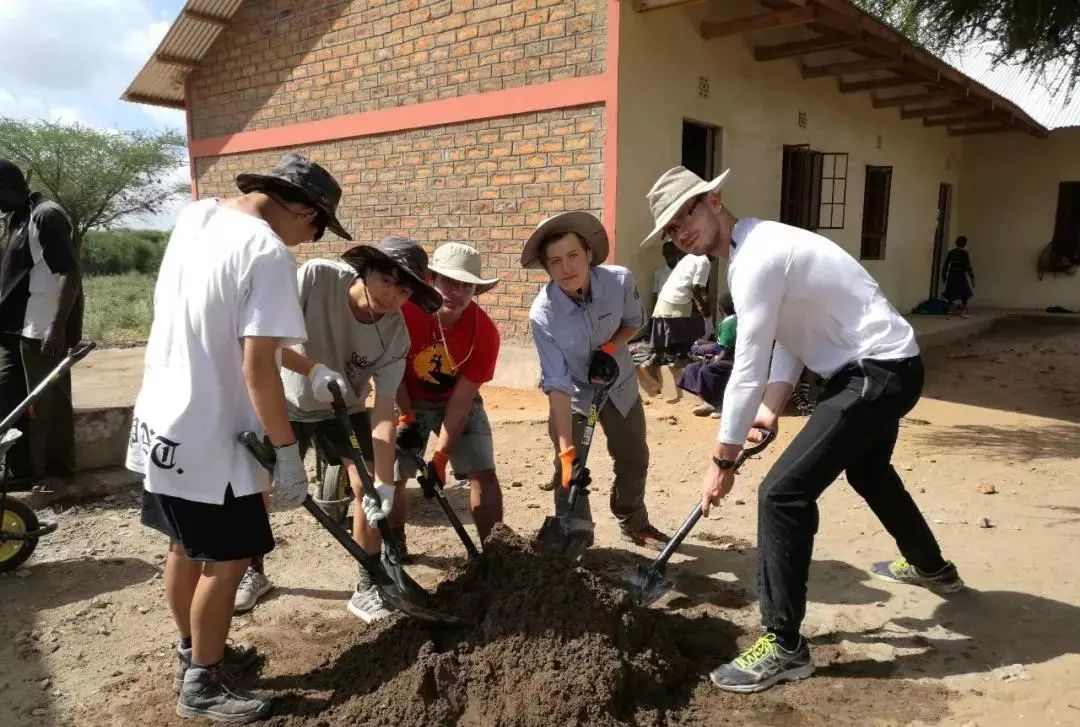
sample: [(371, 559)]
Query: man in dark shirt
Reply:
[(40, 318)]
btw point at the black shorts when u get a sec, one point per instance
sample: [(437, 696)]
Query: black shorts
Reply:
[(237, 529), (331, 441)]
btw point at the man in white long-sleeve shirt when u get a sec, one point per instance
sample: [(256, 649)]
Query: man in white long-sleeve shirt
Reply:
[(802, 299)]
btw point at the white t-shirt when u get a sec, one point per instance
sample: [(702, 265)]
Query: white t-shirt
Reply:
[(659, 277), (44, 295), (816, 302), (225, 276), (358, 351), (689, 273)]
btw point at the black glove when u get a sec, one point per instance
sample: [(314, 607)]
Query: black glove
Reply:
[(408, 437), (603, 368), (580, 476)]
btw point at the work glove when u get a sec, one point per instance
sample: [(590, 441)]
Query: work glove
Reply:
[(572, 470), (321, 377), (438, 464), (603, 368), (408, 433), (290, 478), (376, 512)]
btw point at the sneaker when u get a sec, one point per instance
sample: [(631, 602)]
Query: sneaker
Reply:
[(762, 665), (703, 410), (946, 580), (367, 604), (207, 692), (238, 659), (646, 537), (253, 586)]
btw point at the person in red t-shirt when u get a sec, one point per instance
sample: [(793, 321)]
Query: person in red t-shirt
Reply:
[(452, 354)]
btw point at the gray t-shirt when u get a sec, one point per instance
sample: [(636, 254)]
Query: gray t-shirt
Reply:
[(358, 351)]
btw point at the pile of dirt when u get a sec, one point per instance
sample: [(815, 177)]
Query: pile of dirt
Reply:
[(552, 644)]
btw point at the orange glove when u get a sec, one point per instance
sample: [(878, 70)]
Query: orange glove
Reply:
[(566, 460), (439, 461), (608, 348), (405, 419)]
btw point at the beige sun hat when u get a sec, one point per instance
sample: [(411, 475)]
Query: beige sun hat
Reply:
[(671, 191), (585, 225), (462, 263)]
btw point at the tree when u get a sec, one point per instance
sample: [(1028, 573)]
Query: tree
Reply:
[(1043, 35), (99, 177)]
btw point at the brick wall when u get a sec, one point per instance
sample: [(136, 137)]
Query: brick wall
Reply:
[(289, 61), (487, 183)]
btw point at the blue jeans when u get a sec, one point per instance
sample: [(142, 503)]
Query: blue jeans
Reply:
[(853, 429)]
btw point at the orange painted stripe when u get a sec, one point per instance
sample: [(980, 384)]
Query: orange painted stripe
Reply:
[(611, 124), (527, 99)]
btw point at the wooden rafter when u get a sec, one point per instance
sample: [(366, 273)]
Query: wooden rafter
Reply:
[(968, 130), (839, 69), (186, 63), (875, 83), (764, 21), (885, 102), (973, 115), (801, 47), (205, 18), (927, 111)]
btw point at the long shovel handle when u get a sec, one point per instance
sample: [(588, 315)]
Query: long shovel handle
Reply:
[(428, 479), (680, 535), (74, 356), (599, 399)]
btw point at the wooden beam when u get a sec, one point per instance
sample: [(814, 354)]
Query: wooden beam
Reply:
[(800, 47), (875, 83), (753, 23), (839, 69), (925, 111), (970, 117), (967, 131), (185, 63), (644, 6), (205, 18), (885, 102)]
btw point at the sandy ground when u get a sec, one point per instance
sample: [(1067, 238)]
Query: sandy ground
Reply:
[(86, 635)]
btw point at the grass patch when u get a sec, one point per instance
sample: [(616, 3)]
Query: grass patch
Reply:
[(119, 308)]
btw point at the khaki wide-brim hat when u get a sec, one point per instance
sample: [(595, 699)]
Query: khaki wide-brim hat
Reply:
[(462, 263), (670, 193), (583, 224)]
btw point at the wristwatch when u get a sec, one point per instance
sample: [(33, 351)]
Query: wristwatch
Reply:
[(724, 464)]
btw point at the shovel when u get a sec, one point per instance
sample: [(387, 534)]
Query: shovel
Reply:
[(398, 589), (429, 483), (649, 583), (565, 533)]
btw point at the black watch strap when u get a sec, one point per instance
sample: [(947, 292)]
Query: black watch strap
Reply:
[(724, 464)]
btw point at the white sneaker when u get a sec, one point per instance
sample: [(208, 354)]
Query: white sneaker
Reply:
[(367, 604), (253, 586)]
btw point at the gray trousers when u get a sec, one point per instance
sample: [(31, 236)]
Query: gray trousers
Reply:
[(630, 454)]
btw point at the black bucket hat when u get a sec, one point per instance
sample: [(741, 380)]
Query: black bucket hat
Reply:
[(305, 177), (407, 256)]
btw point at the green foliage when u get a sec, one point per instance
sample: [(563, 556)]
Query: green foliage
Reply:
[(112, 252), (1043, 35), (98, 176), (119, 308)]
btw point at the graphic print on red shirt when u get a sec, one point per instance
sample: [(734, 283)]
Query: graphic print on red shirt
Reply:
[(431, 370)]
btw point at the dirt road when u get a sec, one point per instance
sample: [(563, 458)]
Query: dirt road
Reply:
[(86, 635)]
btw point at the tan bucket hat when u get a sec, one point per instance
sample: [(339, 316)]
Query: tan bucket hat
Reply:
[(671, 191), (462, 263), (585, 225)]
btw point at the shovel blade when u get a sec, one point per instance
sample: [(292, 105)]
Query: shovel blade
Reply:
[(403, 593), (569, 536), (648, 584)]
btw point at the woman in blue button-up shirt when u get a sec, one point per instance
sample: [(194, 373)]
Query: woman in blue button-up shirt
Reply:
[(587, 307)]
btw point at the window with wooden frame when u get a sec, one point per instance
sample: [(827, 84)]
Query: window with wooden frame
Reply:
[(833, 195), (813, 188), (875, 222)]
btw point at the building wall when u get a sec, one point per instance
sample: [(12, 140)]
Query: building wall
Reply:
[(757, 104), (487, 183), (1006, 207), (292, 61)]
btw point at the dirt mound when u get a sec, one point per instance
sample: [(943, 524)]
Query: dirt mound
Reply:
[(553, 644)]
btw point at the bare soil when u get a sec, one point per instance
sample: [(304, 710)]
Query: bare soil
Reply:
[(86, 635)]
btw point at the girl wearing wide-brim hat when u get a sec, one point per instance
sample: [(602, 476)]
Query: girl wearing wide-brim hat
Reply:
[(590, 310)]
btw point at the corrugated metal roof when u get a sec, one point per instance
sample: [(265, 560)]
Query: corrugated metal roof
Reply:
[(1026, 89), (188, 40)]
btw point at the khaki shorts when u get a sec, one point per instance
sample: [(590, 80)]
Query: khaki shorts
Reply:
[(473, 451)]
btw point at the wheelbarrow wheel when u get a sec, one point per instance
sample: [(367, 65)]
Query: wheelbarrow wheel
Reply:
[(334, 492), (16, 518)]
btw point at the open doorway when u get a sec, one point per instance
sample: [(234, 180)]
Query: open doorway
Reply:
[(941, 237), (701, 155)]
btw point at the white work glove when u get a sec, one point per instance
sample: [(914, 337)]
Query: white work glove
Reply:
[(290, 478), (320, 377), (374, 513)]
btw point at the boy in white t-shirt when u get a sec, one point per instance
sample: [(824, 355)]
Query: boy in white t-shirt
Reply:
[(225, 304), (352, 310)]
